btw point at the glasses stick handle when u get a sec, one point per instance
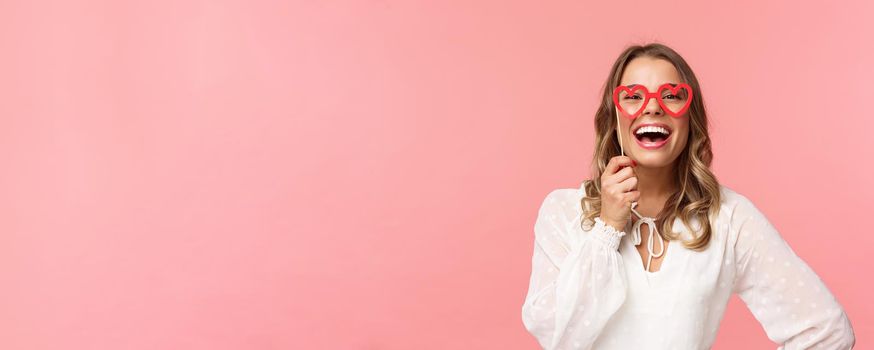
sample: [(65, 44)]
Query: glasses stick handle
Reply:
[(619, 133), (622, 150)]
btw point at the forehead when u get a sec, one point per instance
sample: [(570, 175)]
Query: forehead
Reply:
[(650, 72)]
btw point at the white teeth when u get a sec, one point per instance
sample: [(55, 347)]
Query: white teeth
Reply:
[(652, 129)]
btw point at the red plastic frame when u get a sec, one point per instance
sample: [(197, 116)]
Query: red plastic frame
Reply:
[(648, 95)]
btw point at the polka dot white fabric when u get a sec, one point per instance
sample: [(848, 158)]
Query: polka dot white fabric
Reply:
[(589, 288)]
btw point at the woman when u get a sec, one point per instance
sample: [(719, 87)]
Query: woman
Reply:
[(590, 288)]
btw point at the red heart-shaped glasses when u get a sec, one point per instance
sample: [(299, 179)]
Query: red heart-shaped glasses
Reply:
[(631, 101)]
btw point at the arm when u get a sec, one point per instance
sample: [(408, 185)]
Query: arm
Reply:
[(577, 277), (784, 294)]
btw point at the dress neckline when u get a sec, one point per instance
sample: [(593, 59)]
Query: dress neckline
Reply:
[(652, 237)]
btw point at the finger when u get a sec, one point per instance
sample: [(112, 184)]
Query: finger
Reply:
[(629, 184), (620, 176), (631, 163), (632, 196), (616, 163)]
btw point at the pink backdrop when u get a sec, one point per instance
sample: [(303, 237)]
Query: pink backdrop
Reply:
[(366, 175)]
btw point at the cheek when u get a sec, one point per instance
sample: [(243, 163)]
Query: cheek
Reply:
[(683, 138), (625, 123)]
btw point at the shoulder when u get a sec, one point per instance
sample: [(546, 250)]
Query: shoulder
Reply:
[(558, 210), (562, 204), (746, 223), (559, 200), (736, 206), (730, 199), (733, 207), (567, 200)]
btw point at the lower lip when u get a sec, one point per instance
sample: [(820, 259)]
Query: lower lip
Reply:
[(653, 145)]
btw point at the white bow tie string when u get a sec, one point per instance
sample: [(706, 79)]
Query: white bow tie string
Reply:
[(653, 233)]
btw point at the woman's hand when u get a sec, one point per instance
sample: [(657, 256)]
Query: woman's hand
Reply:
[(618, 190)]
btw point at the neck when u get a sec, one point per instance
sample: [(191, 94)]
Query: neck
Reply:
[(656, 184)]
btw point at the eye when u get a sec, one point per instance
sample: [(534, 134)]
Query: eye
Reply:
[(671, 97), (632, 97)]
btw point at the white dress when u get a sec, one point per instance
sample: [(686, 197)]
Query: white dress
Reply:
[(589, 289)]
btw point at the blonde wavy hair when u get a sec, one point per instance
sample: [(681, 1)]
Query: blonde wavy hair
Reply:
[(699, 191)]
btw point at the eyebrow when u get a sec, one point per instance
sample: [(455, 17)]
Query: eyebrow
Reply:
[(633, 85)]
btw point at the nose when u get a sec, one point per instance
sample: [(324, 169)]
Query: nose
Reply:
[(653, 108)]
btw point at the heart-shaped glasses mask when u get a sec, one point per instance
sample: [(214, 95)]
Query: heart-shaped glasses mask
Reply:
[(673, 98)]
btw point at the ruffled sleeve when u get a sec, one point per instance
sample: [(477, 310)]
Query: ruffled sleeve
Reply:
[(793, 305), (577, 278)]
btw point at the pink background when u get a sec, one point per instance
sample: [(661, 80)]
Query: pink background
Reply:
[(366, 175)]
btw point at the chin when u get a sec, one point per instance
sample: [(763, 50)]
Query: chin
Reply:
[(651, 161), (655, 158)]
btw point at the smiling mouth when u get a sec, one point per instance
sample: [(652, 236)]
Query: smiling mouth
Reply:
[(652, 136)]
